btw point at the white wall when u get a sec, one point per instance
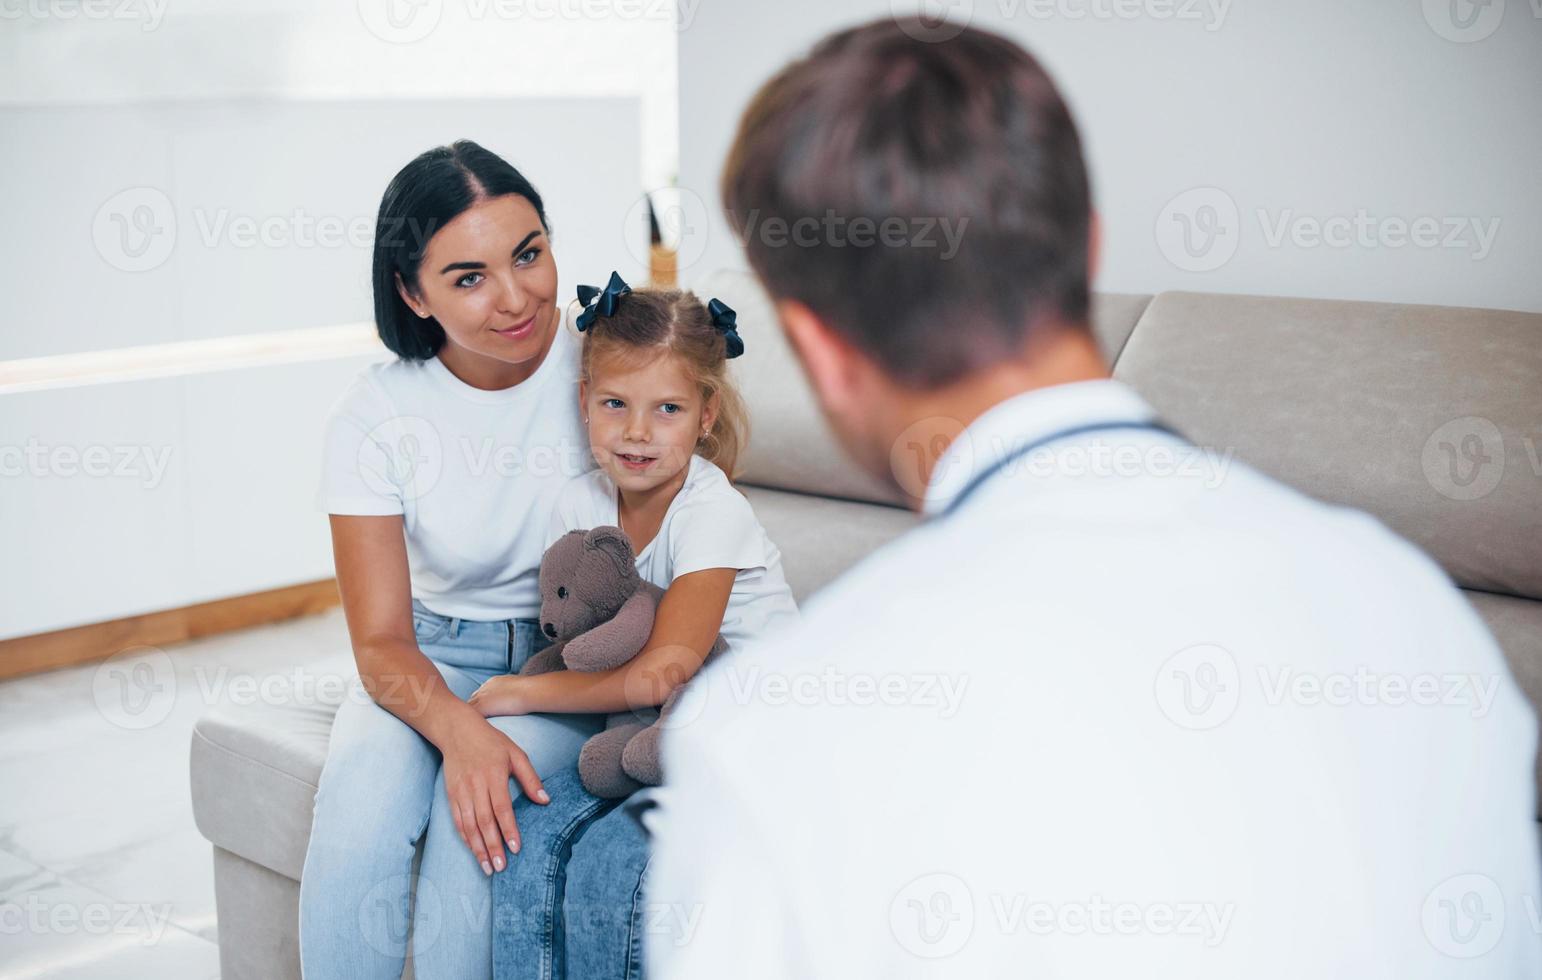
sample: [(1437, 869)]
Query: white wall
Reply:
[(227, 506), (1309, 110), (167, 221)]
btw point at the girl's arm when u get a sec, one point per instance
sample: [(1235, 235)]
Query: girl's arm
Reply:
[(689, 619)]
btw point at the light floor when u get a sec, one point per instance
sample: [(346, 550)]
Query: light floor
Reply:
[(102, 873)]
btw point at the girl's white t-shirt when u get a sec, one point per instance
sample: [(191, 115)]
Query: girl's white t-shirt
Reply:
[(473, 473), (709, 524)]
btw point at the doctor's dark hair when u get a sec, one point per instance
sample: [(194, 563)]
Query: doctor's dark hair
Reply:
[(964, 149), (423, 197)]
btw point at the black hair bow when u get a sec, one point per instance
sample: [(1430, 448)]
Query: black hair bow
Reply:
[(599, 302), (727, 323)]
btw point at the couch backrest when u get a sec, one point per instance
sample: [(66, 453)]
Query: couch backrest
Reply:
[(1428, 417)]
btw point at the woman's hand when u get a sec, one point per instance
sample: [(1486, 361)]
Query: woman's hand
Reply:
[(499, 695), (478, 760)]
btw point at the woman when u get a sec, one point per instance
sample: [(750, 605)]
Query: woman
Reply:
[(440, 473)]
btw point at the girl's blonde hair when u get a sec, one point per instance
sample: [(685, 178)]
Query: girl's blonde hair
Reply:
[(649, 322)]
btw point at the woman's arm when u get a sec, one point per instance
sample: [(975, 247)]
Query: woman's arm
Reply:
[(689, 619), (371, 558)]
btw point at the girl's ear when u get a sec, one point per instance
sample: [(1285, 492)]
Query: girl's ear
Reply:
[(583, 399), (709, 410)]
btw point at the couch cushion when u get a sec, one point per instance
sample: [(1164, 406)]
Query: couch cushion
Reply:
[(1114, 316), (820, 537), (1517, 626), (255, 768), (790, 447), (1370, 405)]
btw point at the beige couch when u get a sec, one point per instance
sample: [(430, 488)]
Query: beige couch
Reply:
[(1383, 407)]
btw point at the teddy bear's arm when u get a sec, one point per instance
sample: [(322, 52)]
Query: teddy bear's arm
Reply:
[(616, 641), (545, 660)]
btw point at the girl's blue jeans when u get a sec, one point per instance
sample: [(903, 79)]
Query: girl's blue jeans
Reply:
[(571, 903), (382, 788)]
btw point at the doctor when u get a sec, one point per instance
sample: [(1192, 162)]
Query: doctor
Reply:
[(1140, 775)]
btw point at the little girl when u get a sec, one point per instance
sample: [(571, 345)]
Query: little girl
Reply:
[(665, 426)]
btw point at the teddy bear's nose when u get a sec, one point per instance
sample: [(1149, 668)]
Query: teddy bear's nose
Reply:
[(550, 630)]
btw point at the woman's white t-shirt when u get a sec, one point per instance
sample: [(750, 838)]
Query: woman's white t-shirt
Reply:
[(709, 524), (473, 473)]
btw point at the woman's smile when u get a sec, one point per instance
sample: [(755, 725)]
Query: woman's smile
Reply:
[(518, 331)]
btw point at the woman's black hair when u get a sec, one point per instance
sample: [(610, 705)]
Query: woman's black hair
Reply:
[(423, 197)]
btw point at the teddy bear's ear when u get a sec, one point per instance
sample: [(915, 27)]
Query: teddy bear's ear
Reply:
[(613, 542)]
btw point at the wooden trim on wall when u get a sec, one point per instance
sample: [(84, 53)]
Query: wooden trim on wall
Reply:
[(98, 641)]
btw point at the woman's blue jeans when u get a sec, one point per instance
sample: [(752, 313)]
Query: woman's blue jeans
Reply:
[(382, 789), (571, 904)]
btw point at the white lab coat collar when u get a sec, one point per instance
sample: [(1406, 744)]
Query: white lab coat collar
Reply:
[(1023, 419)]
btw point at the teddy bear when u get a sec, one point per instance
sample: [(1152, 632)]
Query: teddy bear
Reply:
[(598, 612)]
